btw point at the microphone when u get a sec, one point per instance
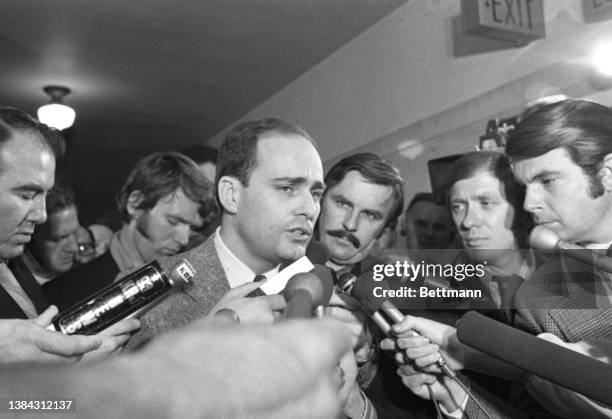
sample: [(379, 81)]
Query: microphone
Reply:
[(370, 306), (318, 253), (544, 238), (362, 289), (129, 296), (555, 363), (306, 290)]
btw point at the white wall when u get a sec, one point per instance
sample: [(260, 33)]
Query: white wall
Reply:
[(412, 87)]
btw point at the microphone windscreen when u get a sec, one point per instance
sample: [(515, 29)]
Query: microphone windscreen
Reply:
[(543, 238), (317, 253), (363, 291), (327, 281), (555, 363)]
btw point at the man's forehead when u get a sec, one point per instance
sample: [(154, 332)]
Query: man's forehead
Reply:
[(361, 191), (482, 184), (288, 156), (64, 221), (557, 160)]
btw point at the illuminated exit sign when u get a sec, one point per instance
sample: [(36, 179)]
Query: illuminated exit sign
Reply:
[(519, 21)]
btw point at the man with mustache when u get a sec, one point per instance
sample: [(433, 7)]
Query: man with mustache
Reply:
[(160, 202), (363, 200), (28, 152), (364, 197)]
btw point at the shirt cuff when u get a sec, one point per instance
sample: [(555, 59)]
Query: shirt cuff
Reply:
[(457, 413)]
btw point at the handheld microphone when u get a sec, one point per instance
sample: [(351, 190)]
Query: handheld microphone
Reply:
[(544, 238), (317, 253), (555, 363), (362, 289), (306, 290), (129, 296)]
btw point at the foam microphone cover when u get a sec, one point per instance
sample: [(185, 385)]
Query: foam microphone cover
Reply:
[(327, 281), (552, 362), (317, 253), (363, 291)]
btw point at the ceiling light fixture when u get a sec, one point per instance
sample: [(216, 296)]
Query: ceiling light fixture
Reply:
[(56, 114)]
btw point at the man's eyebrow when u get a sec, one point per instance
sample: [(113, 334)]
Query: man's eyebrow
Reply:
[(29, 187), (298, 181), (179, 218), (544, 174), (290, 180)]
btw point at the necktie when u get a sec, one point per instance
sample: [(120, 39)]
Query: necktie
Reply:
[(258, 292), (508, 285)]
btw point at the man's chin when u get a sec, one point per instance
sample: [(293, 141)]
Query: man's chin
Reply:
[(11, 252), (292, 253)]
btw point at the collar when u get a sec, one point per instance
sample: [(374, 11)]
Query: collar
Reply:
[(123, 248), (236, 271), (38, 271)]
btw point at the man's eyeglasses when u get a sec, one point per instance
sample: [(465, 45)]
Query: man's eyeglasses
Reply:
[(86, 249)]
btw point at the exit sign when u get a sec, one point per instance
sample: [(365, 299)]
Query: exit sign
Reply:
[(520, 21), (596, 10)]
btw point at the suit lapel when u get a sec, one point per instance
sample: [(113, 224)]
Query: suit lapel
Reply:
[(29, 284)]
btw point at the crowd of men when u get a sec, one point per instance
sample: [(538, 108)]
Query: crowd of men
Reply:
[(268, 200)]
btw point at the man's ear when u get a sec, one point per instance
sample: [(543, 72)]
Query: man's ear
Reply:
[(605, 174), (133, 203), (229, 189)]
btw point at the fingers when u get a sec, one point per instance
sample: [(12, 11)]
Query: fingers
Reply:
[(66, 346), (412, 342), (388, 344), (44, 319), (408, 325), (322, 342), (113, 343), (275, 302), (415, 380), (125, 326)]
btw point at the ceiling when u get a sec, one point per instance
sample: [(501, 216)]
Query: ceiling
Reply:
[(158, 74)]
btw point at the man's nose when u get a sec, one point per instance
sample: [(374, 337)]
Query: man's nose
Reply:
[(38, 212)]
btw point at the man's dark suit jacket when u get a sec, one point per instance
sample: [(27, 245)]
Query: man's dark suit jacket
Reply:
[(9, 309), (81, 282)]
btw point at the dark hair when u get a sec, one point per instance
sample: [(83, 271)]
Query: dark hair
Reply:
[(581, 127), (13, 120), (59, 197), (498, 165), (160, 174), (375, 170), (200, 154), (421, 197), (238, 153)]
